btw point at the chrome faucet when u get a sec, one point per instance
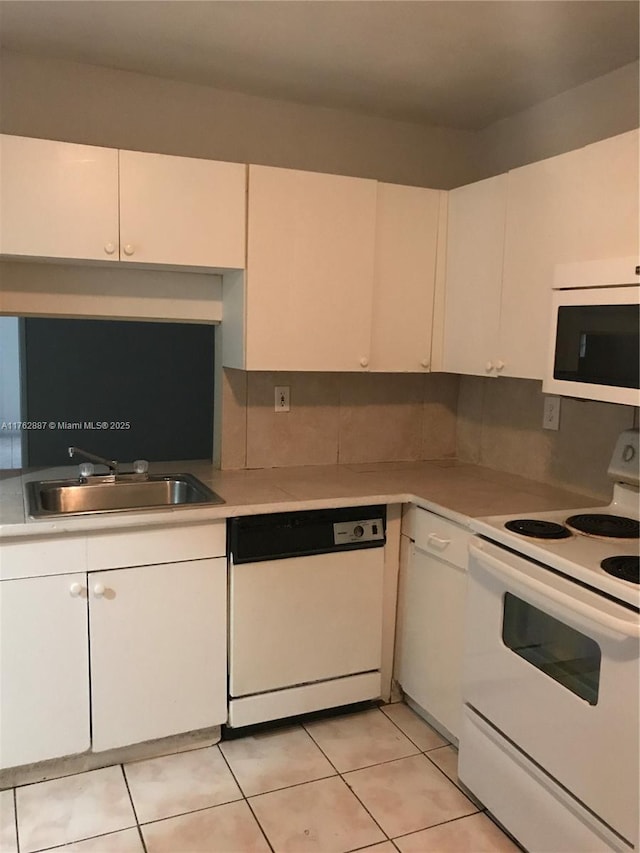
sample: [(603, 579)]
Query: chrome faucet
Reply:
[(111, 464)]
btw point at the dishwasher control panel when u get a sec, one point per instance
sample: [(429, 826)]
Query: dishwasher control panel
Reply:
[(367, 530), (279, 536)]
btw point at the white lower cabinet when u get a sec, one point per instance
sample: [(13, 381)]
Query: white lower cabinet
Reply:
[(433, 585), (158, 650), (44, 668), (104, 644)]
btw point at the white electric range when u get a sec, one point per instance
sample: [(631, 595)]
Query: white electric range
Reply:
[(580, 554), (550, 740)]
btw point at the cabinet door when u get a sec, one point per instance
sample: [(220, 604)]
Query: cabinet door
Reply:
[(158, 651), (542, 215), (578, 207), (44, 668), (58, 200), (475, 247), (404, 281), (310, 270), (182, 211), (607, 222), (431, 636)]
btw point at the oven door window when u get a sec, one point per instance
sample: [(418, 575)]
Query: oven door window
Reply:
[(598, 344), (559, 651)]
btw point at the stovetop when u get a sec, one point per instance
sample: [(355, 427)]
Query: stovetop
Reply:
[(582, 546), (577, 555)]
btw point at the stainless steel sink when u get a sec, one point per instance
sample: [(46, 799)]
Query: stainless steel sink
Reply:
[(123, 493)]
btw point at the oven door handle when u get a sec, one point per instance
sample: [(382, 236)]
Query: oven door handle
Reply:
[(546, 595)]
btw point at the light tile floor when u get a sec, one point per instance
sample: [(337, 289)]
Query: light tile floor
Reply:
[(378, 780)]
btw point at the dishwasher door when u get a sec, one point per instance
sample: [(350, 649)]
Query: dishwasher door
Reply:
[(304, 620)]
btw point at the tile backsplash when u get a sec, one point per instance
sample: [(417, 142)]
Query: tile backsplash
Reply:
[(500, 426), (375, 417), (337, 417)]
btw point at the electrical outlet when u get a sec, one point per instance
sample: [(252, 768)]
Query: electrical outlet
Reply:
[(282, 398), (551, 416)]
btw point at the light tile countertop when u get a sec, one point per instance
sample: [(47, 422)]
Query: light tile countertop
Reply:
[(454, 489)]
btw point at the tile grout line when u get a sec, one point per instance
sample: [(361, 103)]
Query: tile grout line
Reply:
[(441, 823), (260, 827), (187, 813), (456, 784), (400, 729), (386, 835), (340, 776), (390, 761), (425, 752), (133, 806), (62, 846), (287, 787), (15, 818), (245, 798), (105, 766), (141, 837)]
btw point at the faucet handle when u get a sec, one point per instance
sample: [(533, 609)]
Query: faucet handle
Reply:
[(140, 466), (86, 469)]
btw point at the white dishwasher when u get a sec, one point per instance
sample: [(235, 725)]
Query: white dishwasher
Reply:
[(305, 611)]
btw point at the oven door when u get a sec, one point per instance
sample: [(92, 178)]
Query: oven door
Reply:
[(554, 667)]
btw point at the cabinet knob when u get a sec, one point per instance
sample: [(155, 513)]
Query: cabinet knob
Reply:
[(129, 249), (499, 365), (75, 590), (109, 248), (425, 363), (488, 366), (364, 361), (99, 590)]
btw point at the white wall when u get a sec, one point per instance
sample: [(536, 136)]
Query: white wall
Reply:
[(603, 107), (99, 106), (75, 102)]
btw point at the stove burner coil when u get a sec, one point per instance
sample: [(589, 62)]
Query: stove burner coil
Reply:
[(601, 524), (625, 568), (538, 529)]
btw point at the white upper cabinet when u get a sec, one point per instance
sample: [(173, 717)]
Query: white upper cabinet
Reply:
[(577, 207), (544, 200), (475, 247), (182, 211), (58, 200), (607, 222), (310, 260), (406, 241), (508, 235), (61, 200)]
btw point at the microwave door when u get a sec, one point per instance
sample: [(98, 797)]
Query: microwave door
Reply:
[(595, 350), (604, 358)]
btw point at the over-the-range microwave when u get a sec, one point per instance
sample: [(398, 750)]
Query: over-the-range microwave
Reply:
[(594, 350)]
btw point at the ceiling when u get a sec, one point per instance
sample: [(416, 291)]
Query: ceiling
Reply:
[(459, 63)]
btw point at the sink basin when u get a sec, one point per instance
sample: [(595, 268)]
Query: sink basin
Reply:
[(127, 492)]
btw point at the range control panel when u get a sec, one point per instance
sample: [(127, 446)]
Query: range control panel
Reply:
[(367, 530)]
